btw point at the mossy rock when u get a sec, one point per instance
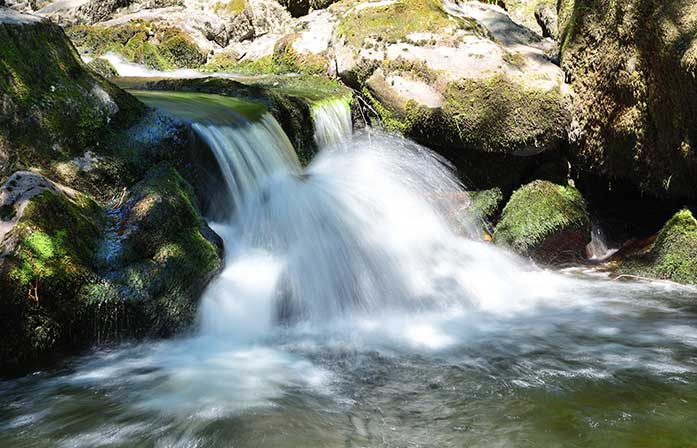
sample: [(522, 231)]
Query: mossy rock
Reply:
[(156, 46), (284, 60), (633, 67), (673, 256), (53, 109), (103, 68), (545, 221), (166, 257), (288, 99), (47, 257)]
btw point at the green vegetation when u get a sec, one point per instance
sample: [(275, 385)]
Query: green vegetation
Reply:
[(632, 67), (230, 7), (284, 60), (486, 203), (167, 261), (493, 115), (54, 109), (540, 215), (499, 115), (57, 245), (673, 255), (394, 22), (103, 68), (155, 46)]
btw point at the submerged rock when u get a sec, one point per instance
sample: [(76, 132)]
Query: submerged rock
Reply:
[(673, 254), (633, 65), (545, 221)]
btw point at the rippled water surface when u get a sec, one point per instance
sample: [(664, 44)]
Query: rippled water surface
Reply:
[(616, 367)]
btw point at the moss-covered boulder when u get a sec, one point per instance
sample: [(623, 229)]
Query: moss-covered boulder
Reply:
[(49, 244), (73, 274), (51, 108), (673, 255), (160, 255), (154, 45), (462, 78), (545, 221), (633, 65)]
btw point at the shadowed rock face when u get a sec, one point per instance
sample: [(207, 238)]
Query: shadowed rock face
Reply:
[(632, 65)]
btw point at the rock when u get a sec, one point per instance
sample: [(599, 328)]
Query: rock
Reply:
[(103, 68), (98, 10), (524, 12), (49, 243), (51, 108), (164, 256), (287, 98), (634, 73), (673, 255), (464, 79), (546, 16), (546, 222)]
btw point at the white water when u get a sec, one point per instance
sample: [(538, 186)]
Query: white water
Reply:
[(349, 314), (332, 120)]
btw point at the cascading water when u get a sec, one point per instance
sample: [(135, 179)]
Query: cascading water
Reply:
[(332, 120), (350, 315)]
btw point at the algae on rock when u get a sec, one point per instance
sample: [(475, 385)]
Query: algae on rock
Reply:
[(673, 256), (545, 221), (633, 65)]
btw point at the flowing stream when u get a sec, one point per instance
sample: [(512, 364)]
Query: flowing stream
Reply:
[(350, 314)]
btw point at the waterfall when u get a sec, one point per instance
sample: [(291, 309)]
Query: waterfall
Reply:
[(332, 120), (243, 165)]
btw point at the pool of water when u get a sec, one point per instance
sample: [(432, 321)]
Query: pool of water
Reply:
[(601, 364)]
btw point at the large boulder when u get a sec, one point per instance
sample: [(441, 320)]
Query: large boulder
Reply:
[(73, 274), (51, 108), (462, 78), (633, 65), (159, 254), (545, 221), (672, 255)]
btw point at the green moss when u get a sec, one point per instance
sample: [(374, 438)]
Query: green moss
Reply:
[(673, 255), (58, 241), (54, 109), (284, 60), (156, 46), (103, 68), (500, 115), (168, 259), (486, 203), (539, 211), (393, 22), (230, 7), (630, 65)]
